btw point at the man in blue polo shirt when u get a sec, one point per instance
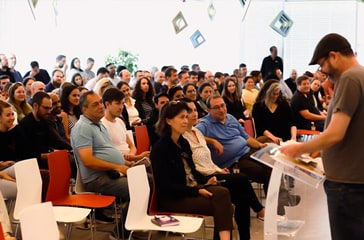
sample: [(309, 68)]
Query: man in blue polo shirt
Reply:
[(237, 146)]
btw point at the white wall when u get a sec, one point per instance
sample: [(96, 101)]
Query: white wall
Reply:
[(96, 28)]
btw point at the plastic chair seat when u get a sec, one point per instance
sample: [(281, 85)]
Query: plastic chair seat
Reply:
[(85, 200)]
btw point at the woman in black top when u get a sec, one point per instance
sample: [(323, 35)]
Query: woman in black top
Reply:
[(179, 187), (143, 94), (233, 102), (273, 115)]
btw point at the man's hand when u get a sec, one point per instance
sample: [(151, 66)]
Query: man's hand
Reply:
[(205, 193), (292, 150), (122, 169), (219, 148)]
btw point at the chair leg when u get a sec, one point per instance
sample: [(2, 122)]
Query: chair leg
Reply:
[(131, 233), (68, 230), (117, 222)]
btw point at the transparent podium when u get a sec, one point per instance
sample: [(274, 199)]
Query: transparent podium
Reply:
[(286, 172)]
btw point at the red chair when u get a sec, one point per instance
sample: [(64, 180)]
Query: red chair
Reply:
[(249, 127), (142, 139), (59, 189), (304, 135)]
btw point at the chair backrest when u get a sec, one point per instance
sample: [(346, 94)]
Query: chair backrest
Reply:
[(304, 135), (142, 139), (29, 185), (4, 218), (59, 175), (249, 127), (79, 186), (38, 222), (139, 194)]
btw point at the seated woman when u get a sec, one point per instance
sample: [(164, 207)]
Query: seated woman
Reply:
[(204, 92), (71, 111), (241, 191), (17, 99), (273, 115), (143, 94), (12, 148), (130, 113), (232, 100), (249, 92), (179, 187)]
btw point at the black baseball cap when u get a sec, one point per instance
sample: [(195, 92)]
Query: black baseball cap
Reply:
[(330, 42)]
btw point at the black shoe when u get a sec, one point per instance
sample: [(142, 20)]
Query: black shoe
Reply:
[(293, 200), (101, 218)]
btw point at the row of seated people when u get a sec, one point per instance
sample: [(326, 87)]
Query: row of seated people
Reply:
[(40, 105)]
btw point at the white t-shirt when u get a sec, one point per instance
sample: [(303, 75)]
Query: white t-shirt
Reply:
[(117, 132)]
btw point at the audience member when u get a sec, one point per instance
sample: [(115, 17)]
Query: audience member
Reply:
[(36, 130), (130, 112), (195, 67), (273, 116), (183, 78), (75, 67), (234, 105), (175, 93), (291, 81), (4, 80), (39, 74), (189, 91), (171, 79), (89, 74), (307, 116), (12, 147), (230, 144), (159, 101), (193, 77), (257, 77), (101, 164), (159, 79), (125, 75), (241, 191), (249, 93), (271, 62), (113, 100), (77, 80), (101, 73), (56, 81), (112, 73), (71, 111), (61, 64), (12, 63), (143, 95), (102, 85), (4, 68), (179, 187), (315, 90), (54, 120), (27, 83), (204, 92), (18, 101)]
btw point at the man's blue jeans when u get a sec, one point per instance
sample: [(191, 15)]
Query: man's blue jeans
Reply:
[(346, 210)]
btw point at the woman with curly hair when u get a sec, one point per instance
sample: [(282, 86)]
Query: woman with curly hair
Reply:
[(18, 100), (143, 94)]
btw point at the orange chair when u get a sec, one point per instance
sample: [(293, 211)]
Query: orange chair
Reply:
[(249, 127), (59, 186), (142, 139)]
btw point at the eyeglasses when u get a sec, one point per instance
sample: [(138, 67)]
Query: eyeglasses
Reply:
[(217, 107), (47, 108), (322, 63)]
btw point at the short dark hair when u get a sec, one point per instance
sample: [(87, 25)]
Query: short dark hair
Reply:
[(308, 74), (218, 75), (242, 65), (192, 73), (247, 78), (271, 48), (109, 64), (169, 71), (300, 79), (119, 69), (173, 91), (4, 76), (213, 96), (112, 94), (90, 59), (39, 96), (181, 73), (255, 73), (56, 70), (159, 95), (102, 70), (34, 64), (169, 111)]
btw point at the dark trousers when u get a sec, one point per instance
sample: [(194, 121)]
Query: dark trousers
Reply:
[(256, 171), (346, 210), (219, 206), (243, 196)]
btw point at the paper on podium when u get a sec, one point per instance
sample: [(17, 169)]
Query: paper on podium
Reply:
[(306, 169)]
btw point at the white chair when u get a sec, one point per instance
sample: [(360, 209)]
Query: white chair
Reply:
[(38, 222), (137, 218), (29, 185)]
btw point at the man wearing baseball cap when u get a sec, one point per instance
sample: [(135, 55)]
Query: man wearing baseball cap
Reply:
[(341, 141)]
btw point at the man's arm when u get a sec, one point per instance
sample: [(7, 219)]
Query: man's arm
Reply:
[(90, 161), (334, 133), (311, 116), (252, 142), (219, 148)]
